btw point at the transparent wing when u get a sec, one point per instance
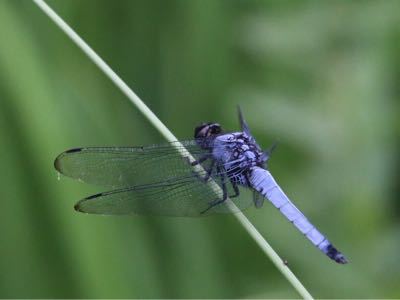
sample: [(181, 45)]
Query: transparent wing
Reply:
[(151, 180), (189, 197), (119, 167)]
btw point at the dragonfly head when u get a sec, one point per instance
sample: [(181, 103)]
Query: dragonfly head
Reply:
[(206, 132)]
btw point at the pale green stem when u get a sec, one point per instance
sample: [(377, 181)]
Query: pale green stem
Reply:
[(279, 263)]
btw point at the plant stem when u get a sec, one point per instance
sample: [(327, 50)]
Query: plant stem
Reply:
[(282, 267)]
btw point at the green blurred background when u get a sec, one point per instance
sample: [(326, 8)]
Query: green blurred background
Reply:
[(321, 77)]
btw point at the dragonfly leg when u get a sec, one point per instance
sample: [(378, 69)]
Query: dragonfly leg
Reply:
[(208, 172), (258, 199), (246, 175), (224, 192), (236, 189), (200, 160)]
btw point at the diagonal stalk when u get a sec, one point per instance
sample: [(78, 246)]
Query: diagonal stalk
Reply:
[(282, 267)]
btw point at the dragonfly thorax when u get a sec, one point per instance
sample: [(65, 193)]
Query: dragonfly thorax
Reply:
[(237, 153)]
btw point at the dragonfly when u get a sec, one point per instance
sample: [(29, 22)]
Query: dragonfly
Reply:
[(189, 178)]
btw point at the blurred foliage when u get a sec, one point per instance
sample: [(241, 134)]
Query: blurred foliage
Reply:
[(321, 77)]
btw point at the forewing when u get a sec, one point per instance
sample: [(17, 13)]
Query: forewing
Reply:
[(243, 125), (119, 167), (187, 198)]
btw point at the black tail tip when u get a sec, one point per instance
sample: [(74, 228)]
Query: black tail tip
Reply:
[(336, 255), (341, 259)]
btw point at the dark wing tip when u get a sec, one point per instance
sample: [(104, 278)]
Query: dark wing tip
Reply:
[(57, 164), (57, 161), (78, 206), (73, 150), (92, 197)]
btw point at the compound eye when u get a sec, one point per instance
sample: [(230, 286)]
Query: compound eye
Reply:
[(206, 130), (215, 128), (201, 130)]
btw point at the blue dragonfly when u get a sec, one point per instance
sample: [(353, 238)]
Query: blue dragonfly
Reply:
[(173, 179)]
